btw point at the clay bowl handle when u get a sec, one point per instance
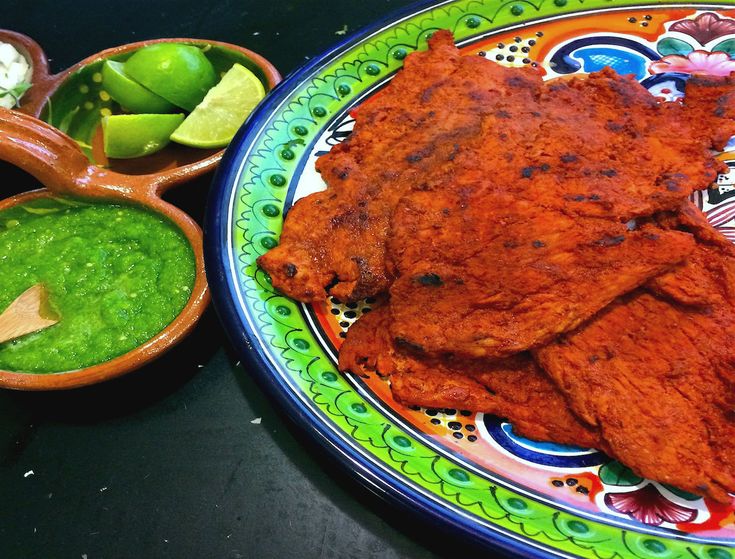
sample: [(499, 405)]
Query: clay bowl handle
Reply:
[(131, 184), (57, 162)]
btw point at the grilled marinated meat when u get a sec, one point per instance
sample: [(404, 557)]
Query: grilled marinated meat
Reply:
[(334, 240), (512, 388), (471, 289), (657, 377), (446, 117), (503, 214)]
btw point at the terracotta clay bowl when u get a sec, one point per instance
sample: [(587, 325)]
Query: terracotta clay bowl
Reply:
[(58, 163), (62, 149), (74, 102)]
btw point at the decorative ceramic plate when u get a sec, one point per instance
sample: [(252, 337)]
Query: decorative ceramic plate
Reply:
[(467, 471)]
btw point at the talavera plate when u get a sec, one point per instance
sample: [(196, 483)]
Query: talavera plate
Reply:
[(468, 472)]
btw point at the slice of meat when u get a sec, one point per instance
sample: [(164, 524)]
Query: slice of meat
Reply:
[(516, 390), (699, 281), (487, 276), (639, 374), (368, 347), (595, 145), (686, 285), (335, 239), (710, 102), (513, 388), (657, 378)]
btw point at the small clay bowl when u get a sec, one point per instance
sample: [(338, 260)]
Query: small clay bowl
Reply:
[(74, 102), (36, 57), (58, 163)]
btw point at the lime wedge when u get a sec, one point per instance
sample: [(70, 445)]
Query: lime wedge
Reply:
[(179, 73), (128, 136), (226, 106), (130, 94)]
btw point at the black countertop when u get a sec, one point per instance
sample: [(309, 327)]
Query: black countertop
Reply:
[(168, 461)]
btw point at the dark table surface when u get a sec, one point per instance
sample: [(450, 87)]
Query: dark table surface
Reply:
[(167, 462)]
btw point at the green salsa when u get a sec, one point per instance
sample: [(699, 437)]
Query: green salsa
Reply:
[(116, 274)]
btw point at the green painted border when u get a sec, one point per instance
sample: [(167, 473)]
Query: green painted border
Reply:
[(257, 216)]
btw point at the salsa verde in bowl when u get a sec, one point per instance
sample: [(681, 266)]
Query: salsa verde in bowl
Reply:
[(122, 268), (116, 274)]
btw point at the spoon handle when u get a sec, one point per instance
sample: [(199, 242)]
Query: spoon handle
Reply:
[(24, 315)]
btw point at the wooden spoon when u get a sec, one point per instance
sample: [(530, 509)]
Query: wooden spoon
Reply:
[(28, 313)]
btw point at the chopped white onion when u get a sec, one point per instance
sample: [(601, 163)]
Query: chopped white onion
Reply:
[(14, 71)]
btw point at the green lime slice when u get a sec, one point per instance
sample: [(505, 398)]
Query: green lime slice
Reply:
[(179, 73), (130, 94), (128, 136), (225, 107)]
